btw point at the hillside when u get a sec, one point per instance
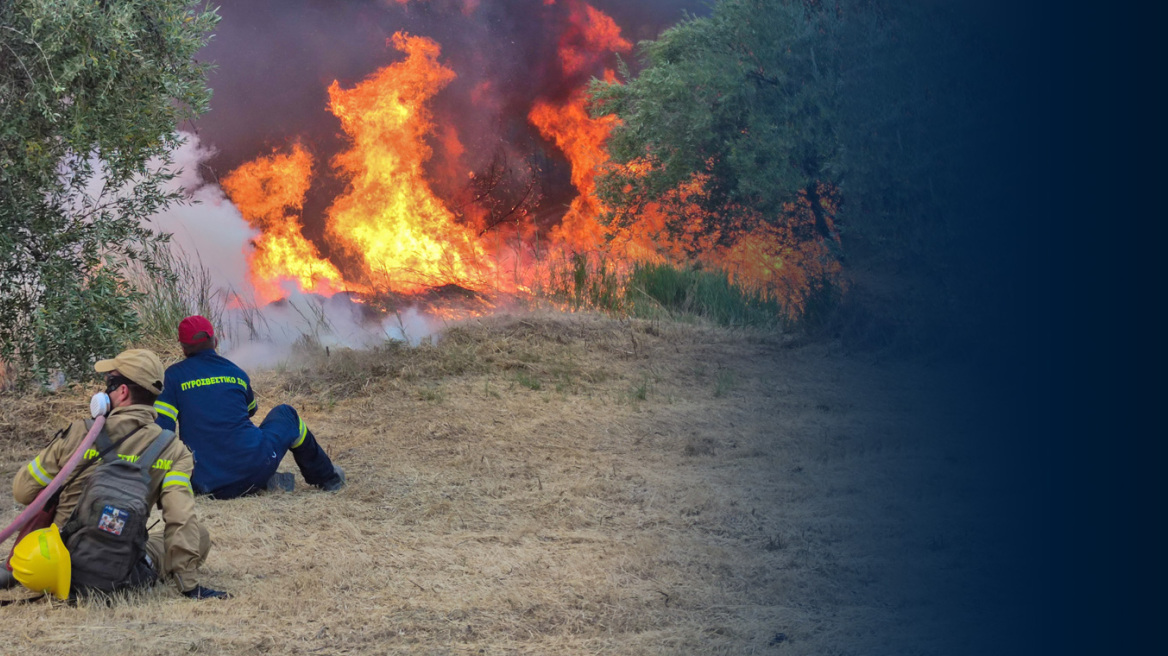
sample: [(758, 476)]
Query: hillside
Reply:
[(569, 484)]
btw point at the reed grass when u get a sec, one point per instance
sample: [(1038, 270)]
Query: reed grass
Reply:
[(176, 286)]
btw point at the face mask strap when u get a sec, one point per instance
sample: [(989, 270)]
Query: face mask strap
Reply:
[(116, 381)]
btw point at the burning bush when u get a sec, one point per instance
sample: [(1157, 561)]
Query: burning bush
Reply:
[(403, 225)]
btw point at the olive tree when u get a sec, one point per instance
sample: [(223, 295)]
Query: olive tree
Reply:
[(91, 95), (743, 98)]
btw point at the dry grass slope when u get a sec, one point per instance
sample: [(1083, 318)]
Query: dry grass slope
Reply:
[(551, 484)]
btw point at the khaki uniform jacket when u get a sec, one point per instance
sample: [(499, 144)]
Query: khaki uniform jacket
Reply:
[(170, 482)]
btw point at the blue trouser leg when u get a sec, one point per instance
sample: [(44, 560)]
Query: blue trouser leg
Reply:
[(314, 463), (249, 486), (285, 431), (236, 490)]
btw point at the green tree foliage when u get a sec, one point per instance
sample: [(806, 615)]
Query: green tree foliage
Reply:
[(914, 105), (896, 106), (744, 98), (91, 95)]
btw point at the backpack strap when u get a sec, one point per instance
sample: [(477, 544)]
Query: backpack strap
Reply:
[(153, 451), (104, 446)]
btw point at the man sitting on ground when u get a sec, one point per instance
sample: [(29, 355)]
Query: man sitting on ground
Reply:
[(212, 401), (174, 550)]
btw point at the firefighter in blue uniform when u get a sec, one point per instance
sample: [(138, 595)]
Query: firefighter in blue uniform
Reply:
[(212, 401)]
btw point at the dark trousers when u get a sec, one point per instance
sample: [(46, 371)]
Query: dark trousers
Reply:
[(284, 431)]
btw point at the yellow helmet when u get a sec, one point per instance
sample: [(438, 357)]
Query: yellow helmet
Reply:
[(41, 562)]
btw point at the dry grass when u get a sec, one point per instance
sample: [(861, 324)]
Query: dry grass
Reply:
[(664, 488)]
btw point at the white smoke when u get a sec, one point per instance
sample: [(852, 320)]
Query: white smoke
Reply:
[(210, 232), (315, 322)]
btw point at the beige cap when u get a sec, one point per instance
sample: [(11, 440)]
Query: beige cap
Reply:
[(139, 365)]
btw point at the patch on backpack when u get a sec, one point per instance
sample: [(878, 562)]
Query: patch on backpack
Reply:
[(113, 520)]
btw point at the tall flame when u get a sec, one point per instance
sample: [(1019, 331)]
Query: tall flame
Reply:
[(590, 36), (406, 238), (581, 138)]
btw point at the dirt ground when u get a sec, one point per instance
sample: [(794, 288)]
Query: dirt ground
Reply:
[(571, 484)]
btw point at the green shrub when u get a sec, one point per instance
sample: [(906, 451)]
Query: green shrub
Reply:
[(655, 291), (653, 288)]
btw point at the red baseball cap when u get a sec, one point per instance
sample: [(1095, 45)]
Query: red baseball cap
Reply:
[(189, 329)]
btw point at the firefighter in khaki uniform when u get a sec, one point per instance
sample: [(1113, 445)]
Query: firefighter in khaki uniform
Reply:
[(133, 381)]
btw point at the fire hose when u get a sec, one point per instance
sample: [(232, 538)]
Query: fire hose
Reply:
[(55, 484)]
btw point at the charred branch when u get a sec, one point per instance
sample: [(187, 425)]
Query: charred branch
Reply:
[(519, 210), (503, 193)]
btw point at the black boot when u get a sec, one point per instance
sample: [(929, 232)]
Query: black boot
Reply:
[(337, 482), (315, 465)]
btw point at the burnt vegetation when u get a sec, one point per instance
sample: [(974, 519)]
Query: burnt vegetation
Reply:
[(506, 192)]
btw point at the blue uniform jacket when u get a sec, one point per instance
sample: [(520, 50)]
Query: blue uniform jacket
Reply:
[(212, 401)]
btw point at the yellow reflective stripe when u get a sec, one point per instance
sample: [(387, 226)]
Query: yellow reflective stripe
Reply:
[(252, 405), (303, 434), (39, 472), (177, 478), (166, 409)]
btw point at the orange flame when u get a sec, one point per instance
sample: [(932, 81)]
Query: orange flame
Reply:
[(390, 218), (781, 262), (269, 192), (581, 138), (591, 36), (395, 233)]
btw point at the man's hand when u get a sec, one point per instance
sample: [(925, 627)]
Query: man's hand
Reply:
[(199, 592)]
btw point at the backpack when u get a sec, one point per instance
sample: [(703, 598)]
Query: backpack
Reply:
[(106, 533)]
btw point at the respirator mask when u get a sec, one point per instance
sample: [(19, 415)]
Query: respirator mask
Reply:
[(100, 403)]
